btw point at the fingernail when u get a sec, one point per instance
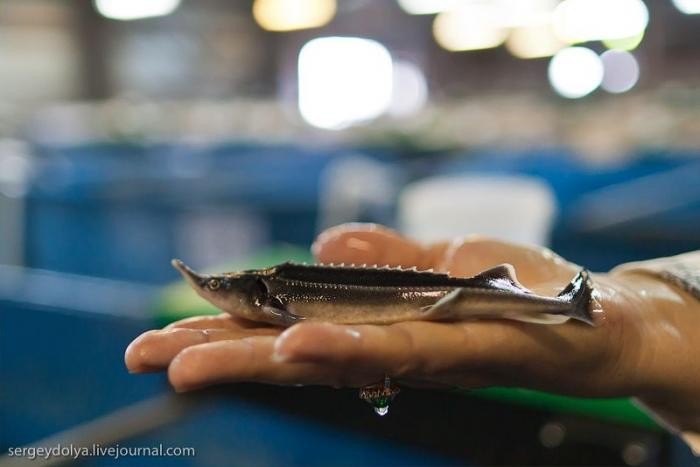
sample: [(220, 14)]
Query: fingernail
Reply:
[(279, 353), (279, 357)]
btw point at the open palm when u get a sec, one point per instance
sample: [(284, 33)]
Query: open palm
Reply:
[(612, 358)]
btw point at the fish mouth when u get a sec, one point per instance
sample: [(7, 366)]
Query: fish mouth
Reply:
[(194, 279)]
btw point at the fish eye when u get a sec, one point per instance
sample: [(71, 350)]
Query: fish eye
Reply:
[(213, 284)]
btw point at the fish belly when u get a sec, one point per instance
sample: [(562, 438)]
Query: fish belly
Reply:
[(367, 305)]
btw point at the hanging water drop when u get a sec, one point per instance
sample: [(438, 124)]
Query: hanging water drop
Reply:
[(380, 395), (381, 411)]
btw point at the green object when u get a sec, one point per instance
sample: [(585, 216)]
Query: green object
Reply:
[(178, 301), (612, 410)]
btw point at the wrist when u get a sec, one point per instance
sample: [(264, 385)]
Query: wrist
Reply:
[(666, 322)]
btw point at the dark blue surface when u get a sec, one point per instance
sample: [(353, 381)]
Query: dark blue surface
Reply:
[(60, 369), (232, 432)]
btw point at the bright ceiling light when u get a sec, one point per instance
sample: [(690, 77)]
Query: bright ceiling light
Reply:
[(290, 15), (689, 7), (511, 12), (410, 92), (126, 10), (473, 26), (579, 21), (343, 80), (534, 41), (426, 7), (621, 71), (575, 72), (515, 13)]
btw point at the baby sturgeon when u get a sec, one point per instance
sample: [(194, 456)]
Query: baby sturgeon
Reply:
[(288, 293)]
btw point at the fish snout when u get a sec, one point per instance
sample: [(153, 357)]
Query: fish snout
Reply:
[(193, 278)]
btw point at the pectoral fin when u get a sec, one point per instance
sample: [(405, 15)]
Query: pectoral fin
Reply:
[(444, 308), (279, 313)]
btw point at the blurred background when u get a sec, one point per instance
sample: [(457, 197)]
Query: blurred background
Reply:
[(229, 133)]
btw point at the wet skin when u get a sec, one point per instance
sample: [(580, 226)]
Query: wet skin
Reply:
[(646, 345)]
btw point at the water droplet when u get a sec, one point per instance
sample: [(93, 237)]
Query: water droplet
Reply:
[(381, 411), (379, 396)]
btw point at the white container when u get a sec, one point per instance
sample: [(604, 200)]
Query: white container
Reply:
[(515, 208), (16, 167)]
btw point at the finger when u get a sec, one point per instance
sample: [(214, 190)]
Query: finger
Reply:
[(154, 350), (223, 321), (570, 358), (533, 264), (247, 360), (372, 244), (412, 350)]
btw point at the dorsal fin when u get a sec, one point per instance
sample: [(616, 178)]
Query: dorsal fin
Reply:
[(502, 277)]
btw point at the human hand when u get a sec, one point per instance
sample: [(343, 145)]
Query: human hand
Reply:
[(641, 345)]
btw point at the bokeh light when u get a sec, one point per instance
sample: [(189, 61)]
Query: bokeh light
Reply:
[(472, 26), (410, 92), (426, 7), (579, 21), (515, 13), (688, 7), (625, 43), (575, 72), (126, 10), (534, 41), (621, 71), (343, 80), (289, 15)]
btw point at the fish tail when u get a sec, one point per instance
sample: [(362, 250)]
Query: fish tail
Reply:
[(579, 294)]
